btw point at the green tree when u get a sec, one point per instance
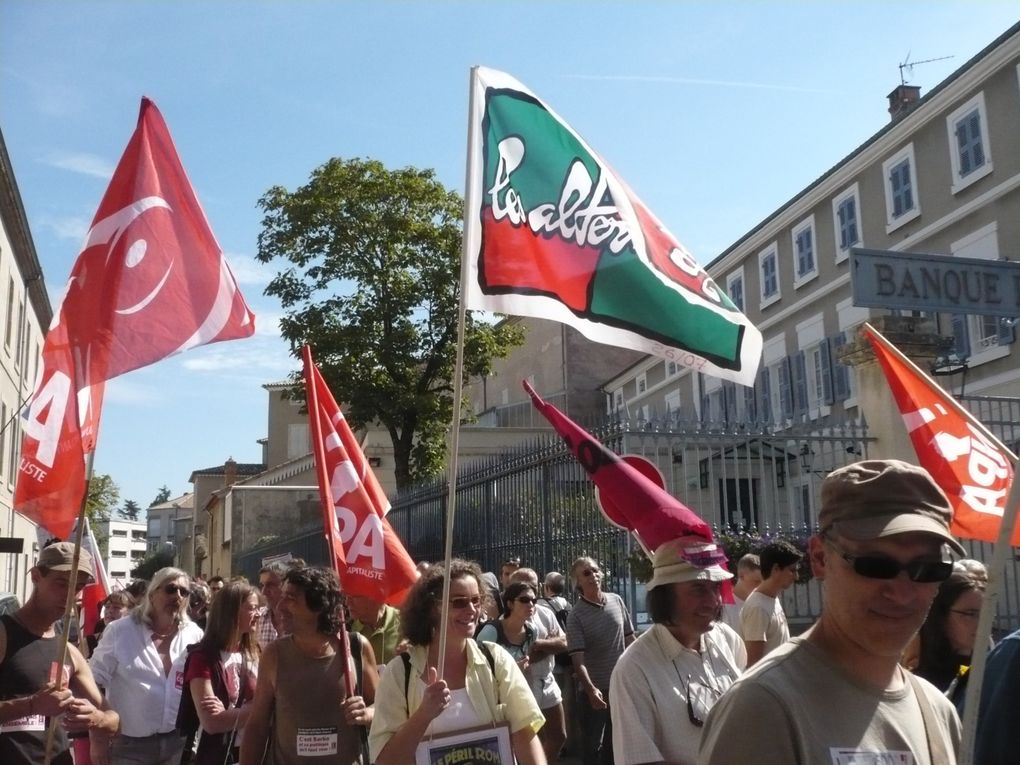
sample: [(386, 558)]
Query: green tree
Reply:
[(370, 280), (130, 510), (161, 496), (102, 499), (153, 562)]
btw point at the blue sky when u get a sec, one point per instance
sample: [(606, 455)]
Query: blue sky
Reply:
[(714, 113)]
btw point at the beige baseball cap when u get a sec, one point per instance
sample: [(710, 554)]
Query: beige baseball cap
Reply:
[(670, 564), (60, 557)]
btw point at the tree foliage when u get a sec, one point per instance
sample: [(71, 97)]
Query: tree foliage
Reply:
[(130, 510), (103, 496), (153, 562), (161, 496), (370, 262)]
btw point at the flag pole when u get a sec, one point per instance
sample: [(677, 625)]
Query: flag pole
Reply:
[(976, 673), (470, 204), (972, 699), (58, 665)]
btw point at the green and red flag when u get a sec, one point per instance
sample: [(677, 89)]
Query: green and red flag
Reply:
[(553, 232)]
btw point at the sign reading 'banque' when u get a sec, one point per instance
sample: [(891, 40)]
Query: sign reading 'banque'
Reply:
[(938, 283)]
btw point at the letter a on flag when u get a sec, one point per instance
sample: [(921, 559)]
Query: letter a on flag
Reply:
[(369, 557), (966, 461), (553, 232), (150, 281)]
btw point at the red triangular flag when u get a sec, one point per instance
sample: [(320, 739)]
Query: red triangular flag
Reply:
[(963, 458), (150, 281), (654, 514), (370, 559)]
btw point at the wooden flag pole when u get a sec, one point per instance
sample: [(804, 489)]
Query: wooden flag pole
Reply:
[(996, 568), (471, 204), (58, 665)]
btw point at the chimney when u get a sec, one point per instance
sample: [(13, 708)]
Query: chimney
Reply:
[(903, 100), (229, 472)]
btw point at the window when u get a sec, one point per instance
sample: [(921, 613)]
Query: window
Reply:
[(119, 533), (980, 338), (13, 447), (299, 441), (846, 219), (618, 399), (672, 401), (671, 368), (901, 202), (8, 332), (642, 384), (804, 266), (3, 437), (969, 150), (118, 553), (767, 267), (735, 288)]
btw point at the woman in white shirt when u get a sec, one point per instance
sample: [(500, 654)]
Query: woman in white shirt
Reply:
[(481, 685), (140, 665)]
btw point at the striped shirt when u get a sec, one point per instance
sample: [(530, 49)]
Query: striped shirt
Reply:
[(600, 631)]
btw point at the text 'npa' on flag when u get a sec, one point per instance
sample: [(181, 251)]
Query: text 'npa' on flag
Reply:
[(369, 557), (968, 464), (553, 232), (150, 281)]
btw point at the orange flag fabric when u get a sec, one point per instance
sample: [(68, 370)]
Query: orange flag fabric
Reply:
[(967, 461)]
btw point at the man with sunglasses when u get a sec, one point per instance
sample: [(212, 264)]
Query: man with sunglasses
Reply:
[(599, 628), (838, 694), (668, 679)]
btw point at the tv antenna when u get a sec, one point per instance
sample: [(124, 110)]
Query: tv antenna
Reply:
[(908, 66)]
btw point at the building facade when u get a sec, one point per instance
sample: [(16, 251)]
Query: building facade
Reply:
[(162, 520), (942, 177), (25, 314), (126, 546)]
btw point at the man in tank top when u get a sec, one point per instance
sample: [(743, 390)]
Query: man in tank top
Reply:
[(301, 696), (29, 692)]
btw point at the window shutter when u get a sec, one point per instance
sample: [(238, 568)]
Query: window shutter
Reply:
[(961, 335), (963, 145), (826, 359), (785, 389), (765, 395), (840, 374), (730, 402), (1007, 332), (800, 395)]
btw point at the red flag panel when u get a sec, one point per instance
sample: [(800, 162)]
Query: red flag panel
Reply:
[(969, 466), (371, 560), (149, 282)]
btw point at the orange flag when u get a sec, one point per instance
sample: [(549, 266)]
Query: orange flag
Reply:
[(973, 468)]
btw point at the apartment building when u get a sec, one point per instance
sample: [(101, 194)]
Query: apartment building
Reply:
[(25, 314), (942, 177), (126, 546)]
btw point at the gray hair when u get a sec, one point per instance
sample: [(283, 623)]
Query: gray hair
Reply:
[(277, 568), (142, 613)]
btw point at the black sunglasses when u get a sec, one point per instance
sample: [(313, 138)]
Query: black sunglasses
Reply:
[(883, 567), (526, 599), (173, 589), (689, 690)]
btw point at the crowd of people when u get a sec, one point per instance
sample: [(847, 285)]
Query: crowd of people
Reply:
[(289, 671)]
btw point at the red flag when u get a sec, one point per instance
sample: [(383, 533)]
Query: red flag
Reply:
[(651, 512), (972, 467), (149, 282), (370, 558), (96, 592)]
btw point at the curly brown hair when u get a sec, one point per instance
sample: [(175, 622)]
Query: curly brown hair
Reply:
[(419, 617)]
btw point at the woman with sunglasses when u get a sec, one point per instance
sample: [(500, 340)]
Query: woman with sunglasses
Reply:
[(946, 639), (220, 673), (140, 665), (517, 630), (482, 684)]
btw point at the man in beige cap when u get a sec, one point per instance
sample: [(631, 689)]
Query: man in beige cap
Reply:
[(667, 680), (838, 694), (29, 692)]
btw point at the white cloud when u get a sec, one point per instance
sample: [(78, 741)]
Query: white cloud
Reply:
[(267, 323), (81, 163), (696, 81), (265, 358), (247, 270), (72, 227), (123, 391)]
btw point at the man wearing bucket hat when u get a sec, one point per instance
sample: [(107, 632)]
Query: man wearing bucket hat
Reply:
[(668, 679), (838, 694), (29, 695)]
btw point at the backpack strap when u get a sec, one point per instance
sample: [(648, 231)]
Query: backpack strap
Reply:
[(356, 658), (492, 668), (407, 683)]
